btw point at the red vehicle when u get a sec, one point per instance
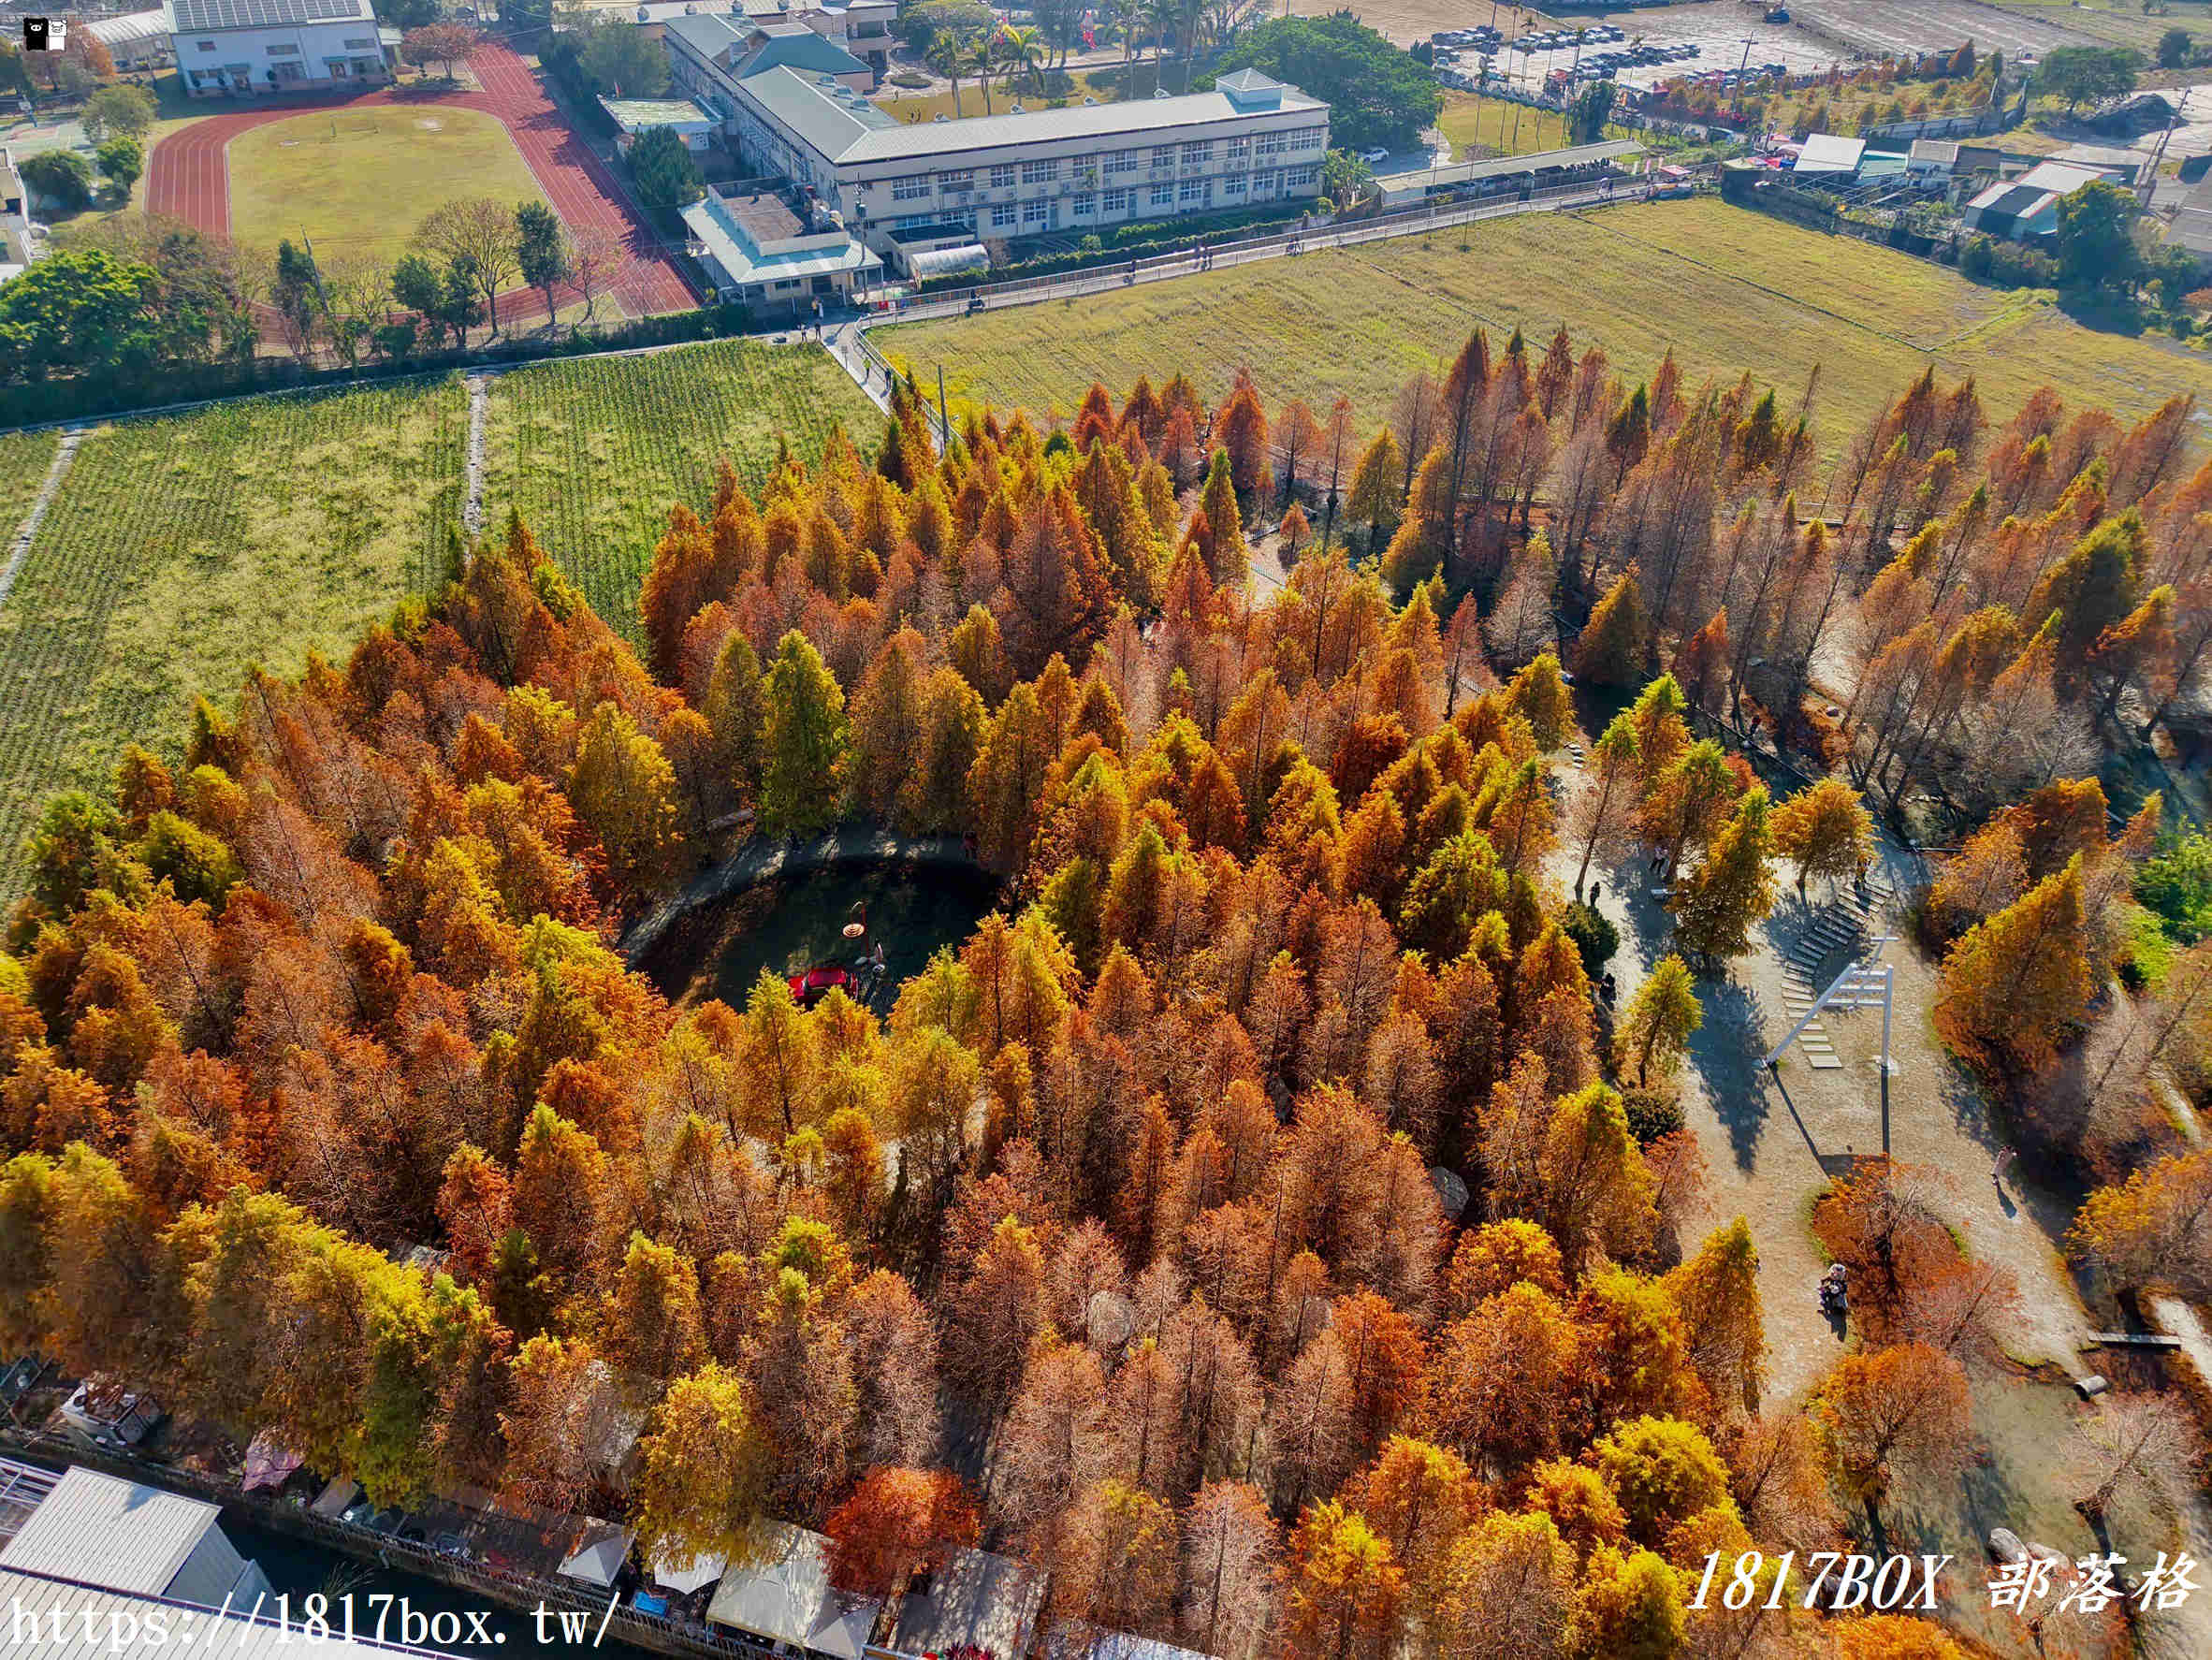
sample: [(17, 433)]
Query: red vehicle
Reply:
[(815, 983)]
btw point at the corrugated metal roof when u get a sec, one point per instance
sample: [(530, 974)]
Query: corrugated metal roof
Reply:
[(123, 31), (107, 1531), (77, 1621)]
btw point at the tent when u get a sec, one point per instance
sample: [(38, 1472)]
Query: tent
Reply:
[(598, 1553)]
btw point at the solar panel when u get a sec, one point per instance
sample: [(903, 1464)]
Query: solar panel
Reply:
[(264, 14)]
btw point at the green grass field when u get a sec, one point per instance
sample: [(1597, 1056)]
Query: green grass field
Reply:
[(358, 181), (180, 551), (1498, 126), (1727, 288), (595, 452)]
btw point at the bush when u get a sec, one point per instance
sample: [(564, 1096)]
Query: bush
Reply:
[(1594, 936), (59, 175), (1652, 1112)]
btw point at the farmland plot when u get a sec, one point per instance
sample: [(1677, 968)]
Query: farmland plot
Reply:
[(594, 453), (25, 458), (180, 551)]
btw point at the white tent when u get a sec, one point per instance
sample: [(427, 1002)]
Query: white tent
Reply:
[(671, 1571), (599, 1553)]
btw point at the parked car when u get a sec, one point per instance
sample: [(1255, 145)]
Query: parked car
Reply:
[(1373, 155)]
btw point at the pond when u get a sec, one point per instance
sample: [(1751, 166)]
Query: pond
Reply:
[(299, 1568), (792, 923)]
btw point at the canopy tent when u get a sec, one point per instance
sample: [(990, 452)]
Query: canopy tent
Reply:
[(598, 1554), (672, 1572), (944, 262)]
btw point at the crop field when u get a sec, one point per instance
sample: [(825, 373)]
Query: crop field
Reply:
[(180, 551), (1725, 287), (25, 458), (594, 453)]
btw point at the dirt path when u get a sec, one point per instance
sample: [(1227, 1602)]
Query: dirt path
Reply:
[(1775, 1142), (65, 452)]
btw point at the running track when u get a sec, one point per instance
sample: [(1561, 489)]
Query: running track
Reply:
[(188, 175)]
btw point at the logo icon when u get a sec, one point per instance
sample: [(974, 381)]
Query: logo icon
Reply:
[(45, 34)]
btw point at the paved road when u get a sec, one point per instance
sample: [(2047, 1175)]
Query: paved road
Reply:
[(188, 175)]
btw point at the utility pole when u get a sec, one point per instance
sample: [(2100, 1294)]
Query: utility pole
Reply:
[(1748, 41)]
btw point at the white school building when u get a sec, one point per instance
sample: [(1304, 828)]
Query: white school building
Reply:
[(258, 48)]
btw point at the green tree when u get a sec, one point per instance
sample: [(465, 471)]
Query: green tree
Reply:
[(77, 310), (1376, 95), (1659, 1019), (119, 111), (540, 249), (2173, 48), (1729, 893), (1345, 177), (2086, 74), (61, 176), (122, 160), (666, 175), (2095, 247), (1591, 108), (623, 788), (1610, 648), (803, 742), (621, 61)]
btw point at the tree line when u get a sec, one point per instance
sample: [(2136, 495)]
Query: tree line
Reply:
[(1137, 1187)]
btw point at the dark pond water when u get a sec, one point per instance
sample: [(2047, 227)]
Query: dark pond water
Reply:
[(797, 923), (299, 1569)]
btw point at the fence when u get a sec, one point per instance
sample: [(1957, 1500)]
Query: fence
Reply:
[(522, 1592)]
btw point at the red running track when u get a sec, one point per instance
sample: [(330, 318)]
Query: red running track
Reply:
[(188, 175)]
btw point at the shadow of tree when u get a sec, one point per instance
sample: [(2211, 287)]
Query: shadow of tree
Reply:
[(1725, 1050)]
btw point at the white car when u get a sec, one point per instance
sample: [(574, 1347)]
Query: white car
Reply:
[(1371, 156)]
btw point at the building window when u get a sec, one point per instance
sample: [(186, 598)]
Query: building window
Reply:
[(1233, 184), (1039, 172), (361, 46), (1036, 212), (1163, 195), (1084, 205), (1002, 215), (1163, 155), (1299, 178), (1117, 201), (1122, 161), (910, 188), (283, 52), (1196, 156), (1268, 144), (204, 45), (1191, 190), (950, 181), (1002, 175), (1239, 148), (1265, 183), (1306, 139)]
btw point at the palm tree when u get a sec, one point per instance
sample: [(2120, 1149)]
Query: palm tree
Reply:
[(1023, 46), (1190, 38), (1159, 17), (980, 60), (947, 58)]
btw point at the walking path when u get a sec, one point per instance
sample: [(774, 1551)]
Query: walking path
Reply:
[(479, 401), (188, 174), (65, 452)]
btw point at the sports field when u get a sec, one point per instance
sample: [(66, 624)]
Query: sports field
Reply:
[(180, 551), (1725, 287), (593, 452), (358, 181)]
